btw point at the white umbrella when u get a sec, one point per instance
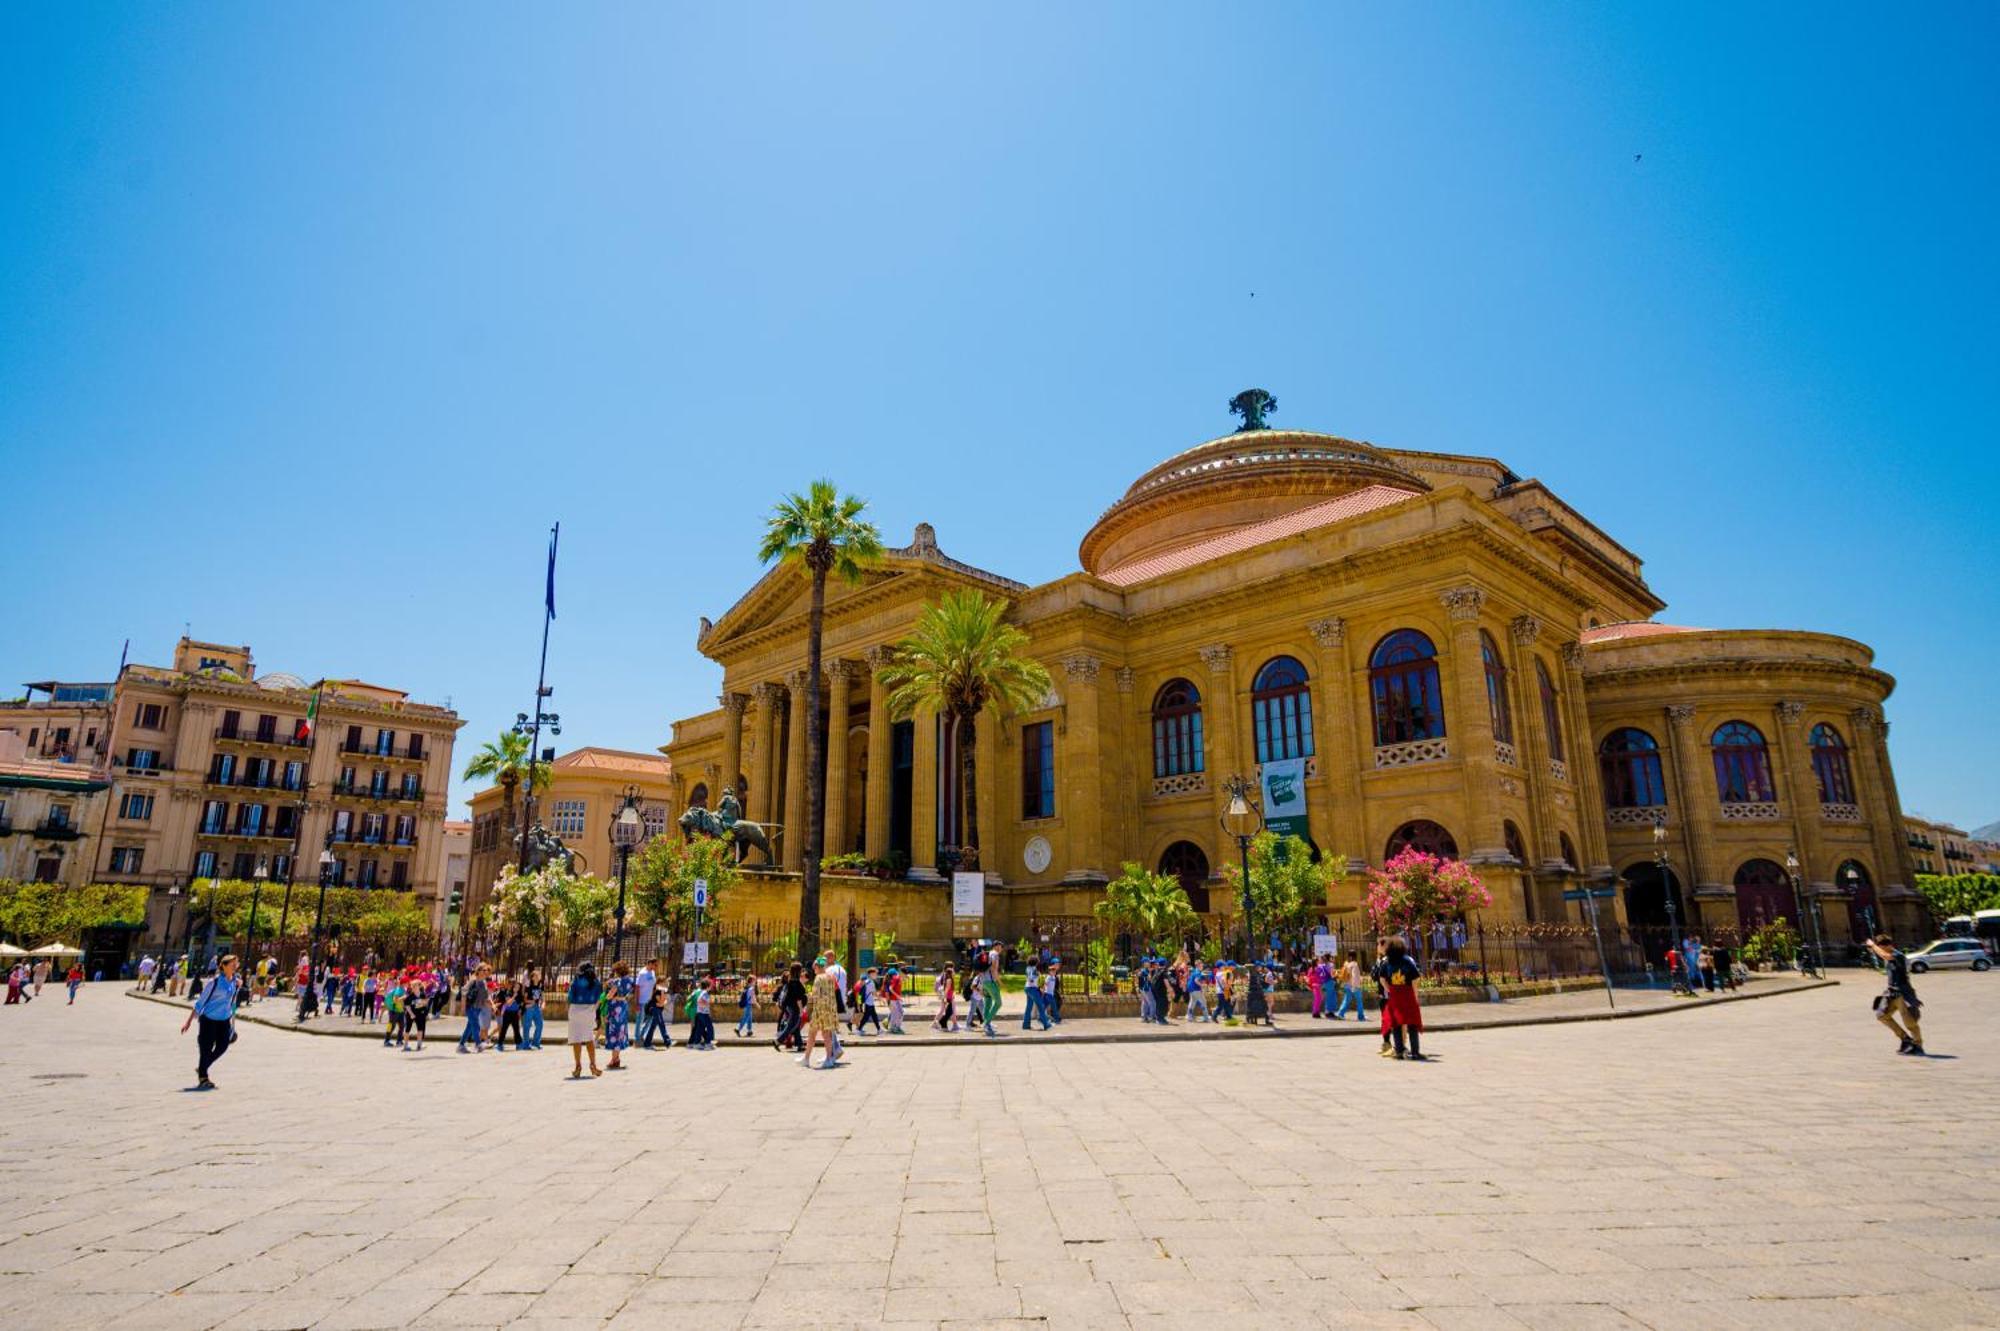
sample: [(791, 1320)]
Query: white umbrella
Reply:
[(9, 950), (57, 950)]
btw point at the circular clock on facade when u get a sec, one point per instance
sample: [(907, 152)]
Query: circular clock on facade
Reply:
[(1036, 854)]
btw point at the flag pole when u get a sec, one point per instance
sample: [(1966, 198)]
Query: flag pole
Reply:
[(541, 692)]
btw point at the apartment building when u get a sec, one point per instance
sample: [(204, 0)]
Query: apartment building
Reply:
[(50, 811)]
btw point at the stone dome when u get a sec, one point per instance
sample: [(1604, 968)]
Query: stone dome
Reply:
[(1229, 483)]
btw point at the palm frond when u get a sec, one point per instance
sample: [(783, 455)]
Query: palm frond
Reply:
[(822, 520)]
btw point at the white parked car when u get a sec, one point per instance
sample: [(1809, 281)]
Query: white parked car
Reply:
[(1951, 952)]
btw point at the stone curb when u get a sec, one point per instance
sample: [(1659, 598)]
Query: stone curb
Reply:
[(1177, 1035)]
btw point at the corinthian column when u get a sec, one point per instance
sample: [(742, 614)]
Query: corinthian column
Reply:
[(876, 794), (1339, 749), (833, 836), (924, 796), (732, 740), (1472, 725), (1698, 799), (794, 854), (1878, 796), (1082, 806), (765, 760)]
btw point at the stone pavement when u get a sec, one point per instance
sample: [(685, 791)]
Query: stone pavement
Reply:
[(1768, 1164), (1578, 1004)]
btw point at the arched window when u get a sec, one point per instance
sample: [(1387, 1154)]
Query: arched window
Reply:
[(1281, 708), (1864, 917), (1515, 846), (1496, 689), (1551, 711), (1630, 759), (1186, 862), (1763, 894), (1176, 729), (699, 795), (1424, 835), (1742, 765), (1403, 677), (1829, 760), (1569, 854)]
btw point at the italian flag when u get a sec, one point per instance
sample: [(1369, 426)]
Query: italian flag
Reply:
[(305, 731)]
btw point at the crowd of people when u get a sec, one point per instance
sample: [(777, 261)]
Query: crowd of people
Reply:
[(25, 980)]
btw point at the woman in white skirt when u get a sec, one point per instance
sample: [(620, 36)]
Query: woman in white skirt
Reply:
[(584, 991)]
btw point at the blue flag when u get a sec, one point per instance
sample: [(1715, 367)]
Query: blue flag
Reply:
[(554, 533)]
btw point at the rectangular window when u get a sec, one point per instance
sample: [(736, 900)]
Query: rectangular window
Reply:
[(367, 878), (295, 775), (410, 788), (214, 817), (287, 820), (281, 868), (654, 818), (137, 807), (222, 771), (246, 864), (372, 825), (416, 746), (343, 825), (406, 830), (231, 723), (378, 783), (204, 864), (399, 875), (568, 818), (90, 738), (353, 744), (385, 742), (127, 859), (59, 815), (267, 728), (1038, 770), (142, 760), (149, 716), (250, 819)]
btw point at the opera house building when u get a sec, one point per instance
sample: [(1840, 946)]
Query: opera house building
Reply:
[(1448, 654)]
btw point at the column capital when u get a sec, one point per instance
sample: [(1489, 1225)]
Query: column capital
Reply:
[(1865, 719), (1525, 628), (1081, 665), (879, 656), (1329, 632), (1216, 658), (795, 680), (1572, 654), (734, 703), (1128, 679), (712, 772), (1462, 604), (1681, 713), (843, 669), (1790, 712), (766, 693)]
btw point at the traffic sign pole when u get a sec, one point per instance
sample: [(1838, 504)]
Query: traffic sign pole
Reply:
[(1590, 904)]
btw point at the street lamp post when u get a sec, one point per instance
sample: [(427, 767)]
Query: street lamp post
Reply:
[(1853, 877), (173, 900), (319, 919), (1807, 915), (187, 930), (1243, 819), (1667, 887), (626, 833), (257, 878)]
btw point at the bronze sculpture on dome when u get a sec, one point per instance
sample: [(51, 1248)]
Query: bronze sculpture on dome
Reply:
[(1252, 404)]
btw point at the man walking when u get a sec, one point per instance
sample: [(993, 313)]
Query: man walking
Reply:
[(1031, 993), (1899, 998)]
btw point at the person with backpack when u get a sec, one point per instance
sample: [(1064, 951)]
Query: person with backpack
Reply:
[(792, 997), (746, 1003), (701, 1035), (215, 1008), (1398, 975)]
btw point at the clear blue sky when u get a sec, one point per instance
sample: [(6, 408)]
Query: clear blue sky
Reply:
[(312, 318)]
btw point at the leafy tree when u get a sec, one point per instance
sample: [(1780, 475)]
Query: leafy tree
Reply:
[(507, 759), (963, 656), (34, 914), (819, 532), (1416, 887), (579, 903), (1152, 905), (663, 873), (1285, 883), (1960, 893)]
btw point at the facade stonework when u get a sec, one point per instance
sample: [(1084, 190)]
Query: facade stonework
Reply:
[(1445, 647)]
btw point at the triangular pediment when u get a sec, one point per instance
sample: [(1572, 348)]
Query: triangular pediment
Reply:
[(783, 595)]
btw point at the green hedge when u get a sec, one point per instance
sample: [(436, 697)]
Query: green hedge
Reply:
[(32, 914)]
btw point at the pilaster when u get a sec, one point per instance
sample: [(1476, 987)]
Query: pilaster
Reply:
[(1082, 799), (924, 796), (833, 832), (764, 761), (1472, 725), (1339, 808), (793, 845), (732, 741), (1698, 799), (875, 839)]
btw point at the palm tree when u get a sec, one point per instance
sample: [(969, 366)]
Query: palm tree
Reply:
[(821, 532), (961, 656), (1153, 905), (507, 760)]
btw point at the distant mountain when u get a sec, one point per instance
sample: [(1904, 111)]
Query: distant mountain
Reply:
[(1990, 832)]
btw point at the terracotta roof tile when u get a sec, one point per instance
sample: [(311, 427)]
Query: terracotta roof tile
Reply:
[(618, 760), (1636, 628), (1324, 514)]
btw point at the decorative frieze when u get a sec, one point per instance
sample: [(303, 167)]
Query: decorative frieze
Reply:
[(1412, 752), (1752, 811), (1640, 817), (1840, 813), (1525, 628), (1081, 665), (1504, 752)]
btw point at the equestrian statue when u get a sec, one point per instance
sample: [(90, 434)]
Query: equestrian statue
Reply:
[(728, 821), (545, 847)]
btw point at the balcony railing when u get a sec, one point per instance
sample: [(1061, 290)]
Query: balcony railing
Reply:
[(355, 790), (408, 753), (50, 829), (245, 783), (276, 739)]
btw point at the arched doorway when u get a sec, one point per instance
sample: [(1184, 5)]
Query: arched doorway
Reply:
[(1186, 861), (1648, 889), (1424, 835), (1862, 910), (1763, 894)]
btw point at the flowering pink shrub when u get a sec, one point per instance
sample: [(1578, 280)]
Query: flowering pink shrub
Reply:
[(1415, 888)]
